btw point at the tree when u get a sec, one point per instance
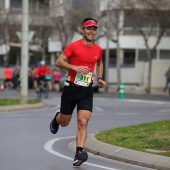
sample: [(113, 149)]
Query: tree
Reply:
[(151, 20), (114, 24), (71, 22), (42, 24), (7, 32)]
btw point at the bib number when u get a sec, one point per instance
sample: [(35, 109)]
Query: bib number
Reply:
[(83, 80)]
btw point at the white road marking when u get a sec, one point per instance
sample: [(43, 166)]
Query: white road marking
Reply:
[(145, 101), (48, 147), (164, 111), (57, 107), (99, 109)]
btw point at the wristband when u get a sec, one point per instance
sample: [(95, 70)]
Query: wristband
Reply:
[(99, 79)]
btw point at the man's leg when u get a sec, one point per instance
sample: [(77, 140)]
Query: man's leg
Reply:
[(35, 84), (11, 84), (59, 119), (82, 122), (63, 120), (57, 88), (5, 84), (49, 85), (166, 86), (67, 106)]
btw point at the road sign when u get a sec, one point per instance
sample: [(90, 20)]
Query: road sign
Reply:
[(30, 35), (54, 46)]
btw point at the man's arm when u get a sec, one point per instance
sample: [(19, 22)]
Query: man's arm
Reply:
[(99, 69), (62, 63), (48, 71), (37, 71), (99, 72)]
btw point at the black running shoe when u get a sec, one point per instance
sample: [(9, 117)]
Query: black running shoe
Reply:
[(54, 126), (80, 158)]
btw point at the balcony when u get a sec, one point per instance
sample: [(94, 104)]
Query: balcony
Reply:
[(155, 31)]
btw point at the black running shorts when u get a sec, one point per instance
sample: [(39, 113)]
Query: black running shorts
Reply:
[(73, 96)]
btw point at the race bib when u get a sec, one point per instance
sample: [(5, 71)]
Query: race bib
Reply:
[(83, 80)]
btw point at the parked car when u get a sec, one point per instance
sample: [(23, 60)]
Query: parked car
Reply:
[(95, 84)]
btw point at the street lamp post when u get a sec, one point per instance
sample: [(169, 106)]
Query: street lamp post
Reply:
[(24, 53)]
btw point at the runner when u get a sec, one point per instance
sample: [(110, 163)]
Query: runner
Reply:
[(82, 55)]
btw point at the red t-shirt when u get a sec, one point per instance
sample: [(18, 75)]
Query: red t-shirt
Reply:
[(42, 71), (8, 73), (56, 76), (82, 55)]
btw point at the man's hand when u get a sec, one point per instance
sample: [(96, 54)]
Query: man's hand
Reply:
[(101, 83), (82, 69)]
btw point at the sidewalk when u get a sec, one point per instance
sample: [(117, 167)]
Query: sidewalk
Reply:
[(133, 89), (22, 107), (127, 155)]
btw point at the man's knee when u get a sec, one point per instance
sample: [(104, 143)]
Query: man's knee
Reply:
[(64, 120), (83, 122), (64, 123)]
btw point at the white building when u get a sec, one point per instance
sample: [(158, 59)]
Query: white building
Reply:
[(134, 68), (133, 56)]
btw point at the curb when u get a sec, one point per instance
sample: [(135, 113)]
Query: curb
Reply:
[(127, 155), (23, 107)]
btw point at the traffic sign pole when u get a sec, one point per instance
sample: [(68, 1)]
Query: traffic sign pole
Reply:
[(24, 53)]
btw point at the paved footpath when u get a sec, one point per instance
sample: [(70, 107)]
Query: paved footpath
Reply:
[(127, 155), (99, 148)]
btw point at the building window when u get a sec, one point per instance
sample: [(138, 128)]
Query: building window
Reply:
[(16, 3), (57, 1), (129, 58), (142, 56), (164, 54), (112, 57), (2, 60)]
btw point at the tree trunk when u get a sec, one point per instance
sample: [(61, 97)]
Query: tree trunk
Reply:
[(148, 86), (118, 65), (43, 53)]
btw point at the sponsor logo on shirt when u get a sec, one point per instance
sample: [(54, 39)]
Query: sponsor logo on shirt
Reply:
[(95, 57)]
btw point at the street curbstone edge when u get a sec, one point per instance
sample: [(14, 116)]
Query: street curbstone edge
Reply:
[(23, 107), (127, 155)]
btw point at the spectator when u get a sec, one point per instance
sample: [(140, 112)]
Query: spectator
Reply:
[(19, 76), (30, 78), (34, 74), (167, 75), (15, 77), (56, 78), (8, 77)]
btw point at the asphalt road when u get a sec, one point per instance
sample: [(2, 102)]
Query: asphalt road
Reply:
[(27, 144)]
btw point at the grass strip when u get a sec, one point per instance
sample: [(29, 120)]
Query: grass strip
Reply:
[(9, 102), (149, 137)]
